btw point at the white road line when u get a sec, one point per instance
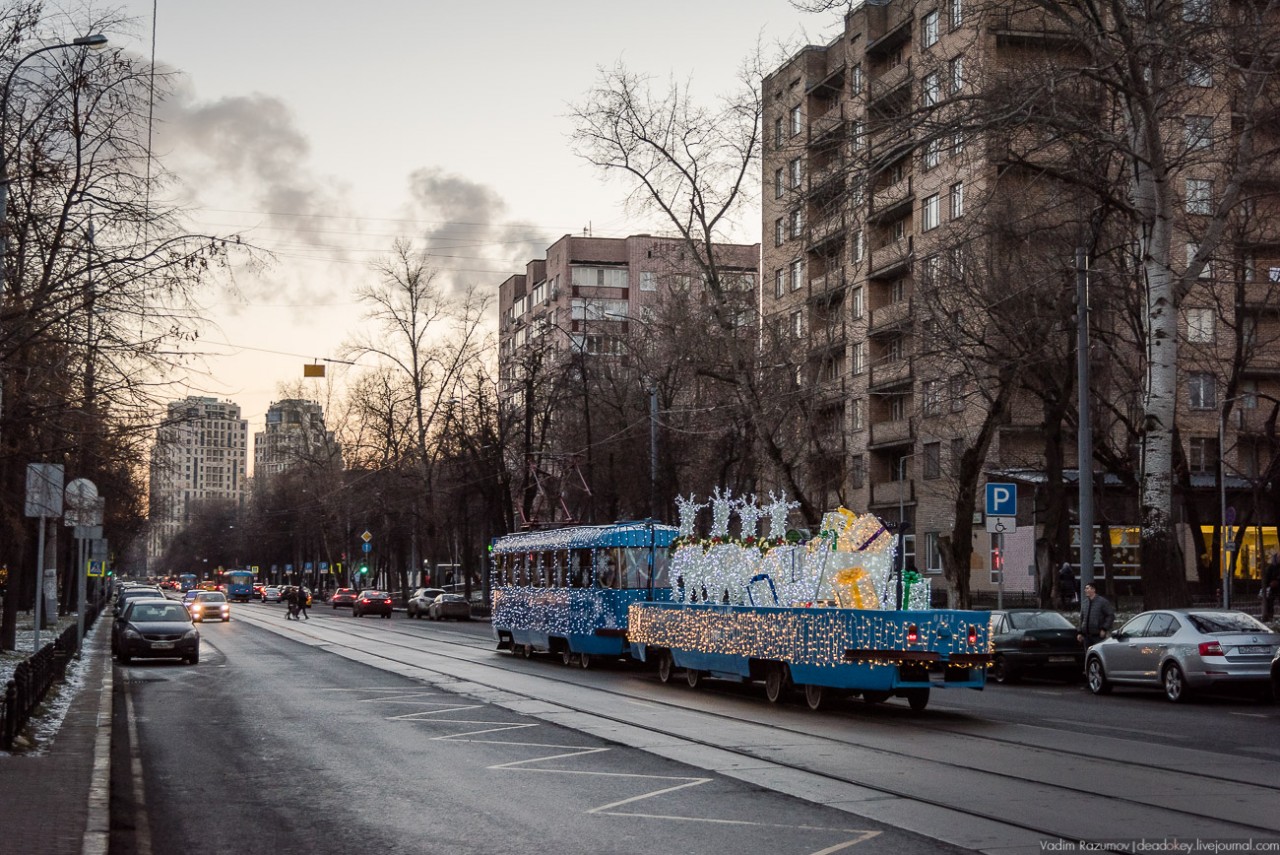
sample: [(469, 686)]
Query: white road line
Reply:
[(97, 830), (142, 829)]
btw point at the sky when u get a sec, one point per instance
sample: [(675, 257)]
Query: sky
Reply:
[(324, 130)]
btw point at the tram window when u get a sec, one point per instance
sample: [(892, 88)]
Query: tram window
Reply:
[(559, 559), (538, 569), (607, 568), (518, 570), (661, 566), (580, 568), (635, 567)]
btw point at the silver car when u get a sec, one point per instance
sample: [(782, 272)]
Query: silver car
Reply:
[(1182, 651)]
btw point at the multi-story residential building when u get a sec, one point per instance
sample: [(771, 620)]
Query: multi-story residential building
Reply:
[(200, 454), (295, 431), (868, 201)]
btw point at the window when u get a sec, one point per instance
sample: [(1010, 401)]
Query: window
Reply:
[(778, 232), (860, 357), (1200, 325), (932, 397), (1199, 131), (932, 553), (929, 213), (795, 173), (955, 74), (1206, 271), (857, 246), (898, 230), (1248, 394), (1197, 74), (1202, 391), (777, 132), (796, 121), (1202, 454), (898, 408), (1195, 11), (778, 183), (955, 392), (930, 157), (648, 281), (1199, 196), (931, 92), (929, 29), (893, 350), (957, 144), (855, 79), (957, 200), (858, 472), (779, 288), (856, 302), (955, 11), (796, 274), (856, 419), (932, 464), (795, 223), (797, 324)]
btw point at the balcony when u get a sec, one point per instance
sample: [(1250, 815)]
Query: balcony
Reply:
[(1262, 363), (830, 84), (890, 318), (890, 432), (893, 492), (888, 25), (890, 81), (1250, 421), (1029, 26), (826, 335), (828, 178), (885, 375), (828, 228), (890, 202), (827, 128), (891, 259), (828, 287)]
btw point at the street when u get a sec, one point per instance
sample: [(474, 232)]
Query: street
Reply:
[(334, 735)]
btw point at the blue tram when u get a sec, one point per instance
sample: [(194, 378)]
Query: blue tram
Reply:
[(568, 591)]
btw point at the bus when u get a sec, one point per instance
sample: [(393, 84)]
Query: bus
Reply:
[(187, 581), (239, 585), (567, 591)]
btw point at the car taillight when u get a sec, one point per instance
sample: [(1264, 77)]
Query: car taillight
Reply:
[(387, 602), (973, 634), (1210, 648), (913, 634), (1028, 641)]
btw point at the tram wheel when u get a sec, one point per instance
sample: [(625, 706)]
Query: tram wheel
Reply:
[(584, 661), (816, 697), (693, 677), (876, 697), (918, 699), (527, 651), (777, 682), (666, 666), (515, 648), (566, 656)]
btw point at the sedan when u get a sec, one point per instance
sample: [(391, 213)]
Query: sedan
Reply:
[(372, 603), (343, 597), (1182, 651), (421, 600), (449, 606), (210, 605), (271, 594), (127, 594), (155, 629), (1034, 642)]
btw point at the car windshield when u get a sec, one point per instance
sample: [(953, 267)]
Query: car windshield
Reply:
[(212, 598), (373, 595), (1210, 622), (344, 591), (1038, 620), (450, 598), (149, 612)]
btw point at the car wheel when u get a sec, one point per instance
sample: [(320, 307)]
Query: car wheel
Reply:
[(566, 657), (1096, 677), (918, 699), (193, 659), (777, 682), (1001, 672), (1175, 683), (693, 677), (666, 666), (584, 661), (816, 697)]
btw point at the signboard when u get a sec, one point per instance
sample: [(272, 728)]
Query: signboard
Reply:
[(44, 490), (367, 536), (1002, 500), (364, 547), (1002, 525), (95, 569)]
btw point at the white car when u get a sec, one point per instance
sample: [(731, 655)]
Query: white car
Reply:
[(271, 594), (420, 601)]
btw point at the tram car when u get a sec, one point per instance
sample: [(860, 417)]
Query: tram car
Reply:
[(568, 591)]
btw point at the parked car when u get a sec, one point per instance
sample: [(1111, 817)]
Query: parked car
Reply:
[(420, 600), (271, 594), (1034, 642), (134, 592), (210, 605), (150, 628), (343, 597), (257, 589), (371, 602), (1275, 678), (453, 606), (1183, 651)]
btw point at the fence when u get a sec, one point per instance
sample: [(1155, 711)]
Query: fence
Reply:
[(33, 678)]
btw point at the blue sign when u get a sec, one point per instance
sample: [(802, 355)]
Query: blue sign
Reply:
[(307, 566), (324, 566), (364, 547), (1002, 500), (288, 568)]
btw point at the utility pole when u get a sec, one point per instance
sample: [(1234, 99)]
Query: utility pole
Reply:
[(1084, 428)]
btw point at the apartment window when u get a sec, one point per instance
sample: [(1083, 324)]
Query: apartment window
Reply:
[(955, 74), (929, 29), (1202, 391), (930, 157), (797, 324), (932, 397), (778, 183), (794, 170), (898, 407), (929, 268), (898, 291), (898, 230), (778, 232), (796, 273), (648, 281), (957, 200), (1199, 131), (796, 223), (860, 357), (1248, 394), (1202, 456), (855, 79), (1192, 249), (779, 288), (1195, 11), (777, 132), (955, 11), (857, 246), (1200, 325), (931, 468), (932, 553), (929, 213), (893, 350), (857, 130), (856, 302), (857, 472), (857, 420), (1199, 196), (957, 144), (955, 392), (931, 92), (1197, 74), (796, 122)]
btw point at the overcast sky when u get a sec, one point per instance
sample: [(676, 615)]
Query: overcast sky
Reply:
[(323, 130)]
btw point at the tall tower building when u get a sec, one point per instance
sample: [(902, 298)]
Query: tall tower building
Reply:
[(294, 432), (200, 454)]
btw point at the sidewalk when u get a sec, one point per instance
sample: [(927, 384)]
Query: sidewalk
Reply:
[(56, 802)]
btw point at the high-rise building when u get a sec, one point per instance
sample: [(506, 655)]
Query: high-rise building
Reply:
[(295, 432), (200, 454)]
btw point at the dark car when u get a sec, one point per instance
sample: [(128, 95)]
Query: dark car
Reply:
[(421, 600), (1034, 642), (131, 593), (155, 629), (372, 602), (449, 606), (343, 597), (1275, 678)]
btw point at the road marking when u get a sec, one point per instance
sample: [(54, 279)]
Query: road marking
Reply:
[(142, 829), (97, 831), (1111, 727)]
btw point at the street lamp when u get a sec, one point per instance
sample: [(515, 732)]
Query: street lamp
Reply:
[(95, 42)]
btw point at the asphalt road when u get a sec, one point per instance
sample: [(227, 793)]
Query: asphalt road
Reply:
[(275, 745)]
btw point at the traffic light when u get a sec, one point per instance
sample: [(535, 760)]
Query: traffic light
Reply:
[(364, 569)]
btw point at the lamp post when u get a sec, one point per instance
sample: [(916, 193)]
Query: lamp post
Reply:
[(96, 41), (1224, 549)]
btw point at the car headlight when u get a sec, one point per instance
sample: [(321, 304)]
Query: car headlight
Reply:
[(191, 635), (132, 633)]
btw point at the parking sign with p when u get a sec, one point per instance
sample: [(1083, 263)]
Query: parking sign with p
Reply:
[(1002, 500)]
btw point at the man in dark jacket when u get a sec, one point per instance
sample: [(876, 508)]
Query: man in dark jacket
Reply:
[(1096, 617), (1066, 585)]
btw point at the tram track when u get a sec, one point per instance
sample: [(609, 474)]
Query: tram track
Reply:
[(465, 647)]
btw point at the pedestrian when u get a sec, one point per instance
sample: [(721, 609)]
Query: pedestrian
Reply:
[(291, 597), (1271, 587), (1066, 585), (1096, 617), (302, 604)]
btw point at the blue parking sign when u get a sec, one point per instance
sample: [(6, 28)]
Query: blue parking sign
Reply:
[(1002, 500)]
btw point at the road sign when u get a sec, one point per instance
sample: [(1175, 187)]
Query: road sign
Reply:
[(95, 568), (1002, 525), (367, 536), (364, 547), (1002, 500)]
